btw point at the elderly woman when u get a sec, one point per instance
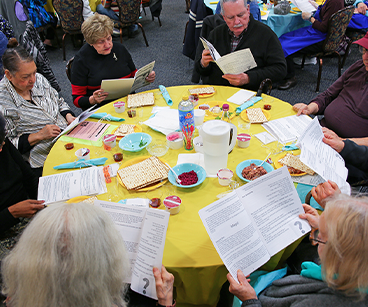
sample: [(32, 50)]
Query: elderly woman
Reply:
[(342, 279), (344, 103), (72, 255), (97, 60), (18, 191), (34, 112)]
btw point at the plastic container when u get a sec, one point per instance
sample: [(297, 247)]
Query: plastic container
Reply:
[(224, 176), (82, 154), (119, 106), (225, 113), (199, 117), (172, 204), (198, 144), (175, 140), (243, 140), (186, 121), (109, 141), (157, 148)]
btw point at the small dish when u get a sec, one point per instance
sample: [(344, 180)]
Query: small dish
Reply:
[(175, 140), (239, 168), (184, 168), (244, 115), (135, 142), (157, 148)]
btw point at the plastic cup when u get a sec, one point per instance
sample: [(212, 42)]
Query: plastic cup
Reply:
[(172, 204), (243, 140), (199, 117), (224, 176), (198, 144), (109, 141), (119, 106), (83, 154), (175, 140)]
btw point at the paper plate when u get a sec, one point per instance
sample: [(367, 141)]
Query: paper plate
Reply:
[(263, 13), (211, 115), (137, 160), (204, 95), (244, 115), (137, 128), (277, 164)]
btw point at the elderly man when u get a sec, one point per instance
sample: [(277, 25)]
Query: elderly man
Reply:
[(241, 31)]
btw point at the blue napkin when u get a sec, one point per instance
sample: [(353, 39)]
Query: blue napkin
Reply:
[(311, 270), (247, 104), (166, 95), (82, 163), (290, 147), (106, 116)]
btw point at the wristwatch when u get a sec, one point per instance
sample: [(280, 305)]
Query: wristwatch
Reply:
[(173, 305)]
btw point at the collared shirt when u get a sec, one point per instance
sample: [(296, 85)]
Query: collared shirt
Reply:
[(30, 117), (235, 40)]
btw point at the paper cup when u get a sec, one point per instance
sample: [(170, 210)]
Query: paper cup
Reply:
[(172, 204), (119, 106), (198, 144), (82, 154), (224, 176), (109, 140), (175, 140), (243, 140), (199, 117)]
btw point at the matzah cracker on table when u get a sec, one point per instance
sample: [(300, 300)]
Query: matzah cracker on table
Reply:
[(143, 173), (256, 116), (140, 100), (293, 161), (202, 90), (124, 129)]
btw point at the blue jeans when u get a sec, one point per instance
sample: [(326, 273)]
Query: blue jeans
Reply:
[(109, 12)]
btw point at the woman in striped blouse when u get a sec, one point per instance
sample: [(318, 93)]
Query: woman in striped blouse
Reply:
[(34, 112)]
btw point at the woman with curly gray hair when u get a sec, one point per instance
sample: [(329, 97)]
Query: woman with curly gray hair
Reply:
[(72, 255)]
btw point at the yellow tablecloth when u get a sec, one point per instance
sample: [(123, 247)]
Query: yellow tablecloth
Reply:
[(189, 253)]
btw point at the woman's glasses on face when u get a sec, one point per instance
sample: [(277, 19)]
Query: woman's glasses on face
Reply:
[(313, 237), (362, 50)]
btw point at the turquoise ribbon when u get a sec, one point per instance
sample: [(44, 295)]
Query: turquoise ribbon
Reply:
[(82, 163), (106, 116), (247, 104)]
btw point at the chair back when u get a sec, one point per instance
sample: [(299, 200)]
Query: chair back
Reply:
[(337, 25), (70, 13), (68, 69), (129, 10)]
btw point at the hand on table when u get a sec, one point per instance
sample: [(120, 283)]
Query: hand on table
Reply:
[(311, 215), (26, 208), (237, 80), (206, 58), (242, 290), (324, 190), (164, 286), (151, 77), (362, 8), (332, 139), (98, 96), (307, 109)]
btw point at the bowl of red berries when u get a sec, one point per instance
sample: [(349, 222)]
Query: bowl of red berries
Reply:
[(190, 175)]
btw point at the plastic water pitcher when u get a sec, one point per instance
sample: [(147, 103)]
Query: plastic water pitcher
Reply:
[(219, 139)]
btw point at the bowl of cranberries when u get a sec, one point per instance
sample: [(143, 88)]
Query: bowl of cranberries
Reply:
[(190, 175)]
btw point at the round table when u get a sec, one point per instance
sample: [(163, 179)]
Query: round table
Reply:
[(189, 253)]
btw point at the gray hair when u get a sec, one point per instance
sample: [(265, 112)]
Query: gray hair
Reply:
[(224, 1), (14, 57), (69, 255), (96, 27)]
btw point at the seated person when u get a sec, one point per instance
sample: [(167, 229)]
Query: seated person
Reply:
[(343, 104), (342, 278), (87, 12), (18, 191), (111, 9), (308, 39), (253, 8), (34, 112), (241, 31), (99, 59), (73, 255), (359, 21)]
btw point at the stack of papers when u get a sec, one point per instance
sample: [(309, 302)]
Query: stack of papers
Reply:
[(164, 120)]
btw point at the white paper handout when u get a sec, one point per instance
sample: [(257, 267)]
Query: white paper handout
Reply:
[(287, 129), (61, 187), (164, 121), (241, 96), (304, 5), (118, 88), (233, 63), (265, 137), (256, 221), (144, 233), (321, 158)]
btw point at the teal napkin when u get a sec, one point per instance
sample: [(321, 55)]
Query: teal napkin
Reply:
[(106, 116), (166, 95), (82, 163), (247, 104)]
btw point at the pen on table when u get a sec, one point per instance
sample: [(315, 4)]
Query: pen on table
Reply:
[(100, 130)]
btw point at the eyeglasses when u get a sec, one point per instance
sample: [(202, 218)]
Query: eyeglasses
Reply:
[(318, 241), (313, 237), (362, 50)]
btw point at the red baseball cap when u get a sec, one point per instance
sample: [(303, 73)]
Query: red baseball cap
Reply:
[(363, 41)]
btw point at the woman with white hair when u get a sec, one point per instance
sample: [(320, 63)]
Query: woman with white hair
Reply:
[(342, 278), (72, 255)]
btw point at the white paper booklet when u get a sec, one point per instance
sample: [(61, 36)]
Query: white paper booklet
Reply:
[(233, 63), (321, 158), (144, 233), (287, 129), (60, 187), (118, 88), (256, 221), (304, 5)]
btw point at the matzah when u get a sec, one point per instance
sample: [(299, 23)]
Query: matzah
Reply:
[(140, 100), (256, 116), (124, 129), (293, 161), (202, 90), (144, 173)]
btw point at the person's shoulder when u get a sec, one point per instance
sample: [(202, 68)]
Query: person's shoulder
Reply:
[(117, 47), (259, 26)]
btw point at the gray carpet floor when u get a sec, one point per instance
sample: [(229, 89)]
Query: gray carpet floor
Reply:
[(173, 68)]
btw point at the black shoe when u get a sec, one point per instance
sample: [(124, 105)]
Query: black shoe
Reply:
[(288, 83)]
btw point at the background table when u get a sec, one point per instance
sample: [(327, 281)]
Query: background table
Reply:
[(189, 253)]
